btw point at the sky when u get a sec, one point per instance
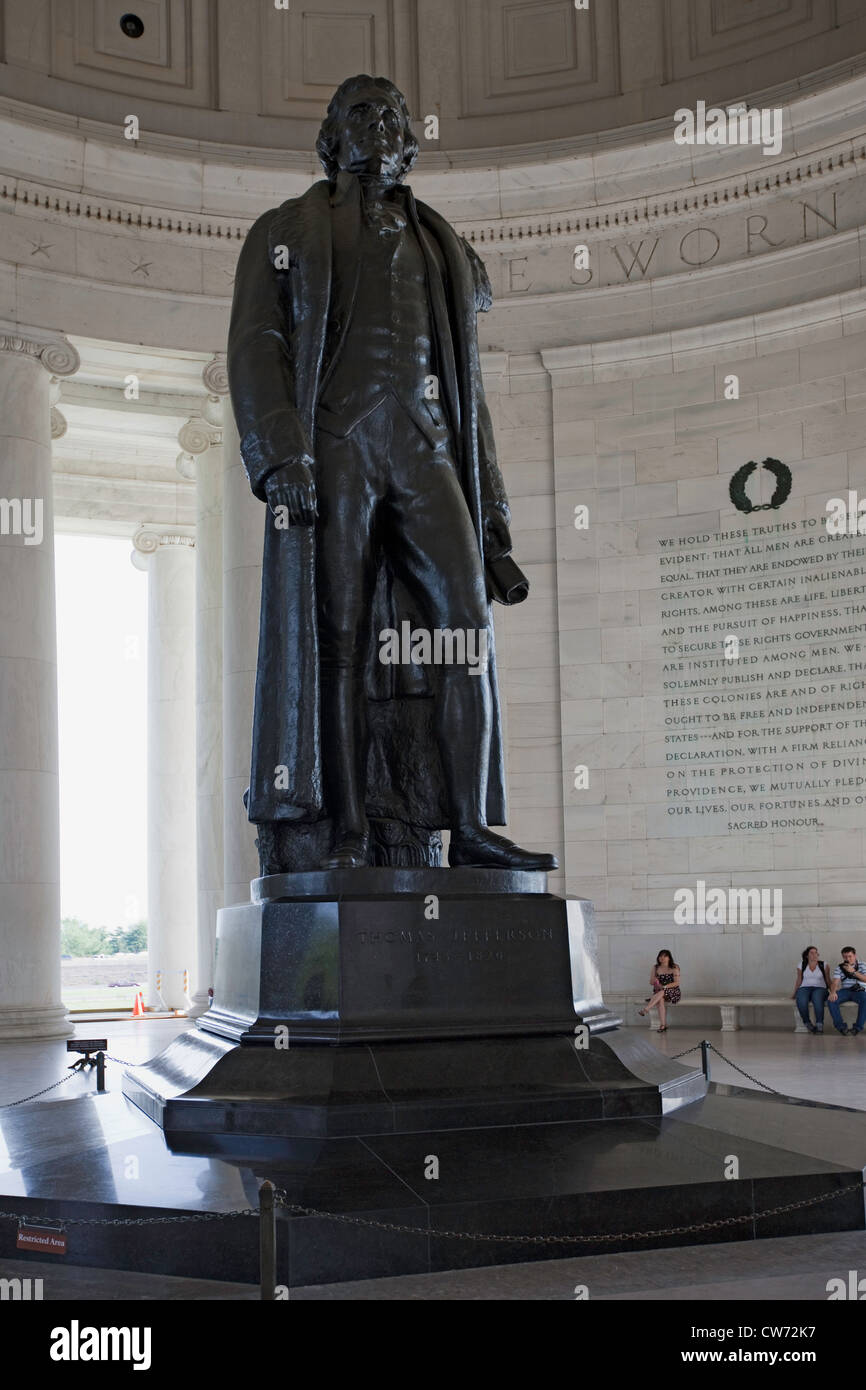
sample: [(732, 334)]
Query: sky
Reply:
[(102, 686)]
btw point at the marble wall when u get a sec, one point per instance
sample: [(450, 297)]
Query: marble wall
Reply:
[(647, 441)]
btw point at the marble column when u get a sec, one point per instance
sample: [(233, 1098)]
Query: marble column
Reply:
[(30, 1005), (168, 556), (583, 475), (243, 537), (202, 439)]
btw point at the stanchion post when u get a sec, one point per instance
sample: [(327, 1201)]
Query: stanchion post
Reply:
[(267, 1242), (100, 1071), (705, 1057)]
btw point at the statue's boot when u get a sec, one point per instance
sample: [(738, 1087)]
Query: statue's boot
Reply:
[(463, 730), (482, 849), (344, 758), (350, 851)]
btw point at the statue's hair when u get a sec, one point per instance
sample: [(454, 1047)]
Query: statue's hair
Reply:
[(328, 139)]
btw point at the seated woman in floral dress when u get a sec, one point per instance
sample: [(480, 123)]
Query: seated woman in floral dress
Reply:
[(665, 987)]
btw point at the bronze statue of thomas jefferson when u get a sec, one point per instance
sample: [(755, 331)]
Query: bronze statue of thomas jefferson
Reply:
[(356, 384)]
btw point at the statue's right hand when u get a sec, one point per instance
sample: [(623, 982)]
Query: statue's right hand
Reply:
[(292, 487)]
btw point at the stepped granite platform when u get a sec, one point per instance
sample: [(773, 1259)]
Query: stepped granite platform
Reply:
[(615, 1176)]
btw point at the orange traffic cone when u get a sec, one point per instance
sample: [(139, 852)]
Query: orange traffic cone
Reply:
[(138, 1006)]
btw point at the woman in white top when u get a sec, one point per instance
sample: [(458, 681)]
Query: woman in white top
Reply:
[(812, 984)]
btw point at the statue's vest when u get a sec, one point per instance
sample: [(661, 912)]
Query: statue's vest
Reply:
[(389, 344)]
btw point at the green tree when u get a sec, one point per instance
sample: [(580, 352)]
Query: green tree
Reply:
[(77, 939), (133, 939)]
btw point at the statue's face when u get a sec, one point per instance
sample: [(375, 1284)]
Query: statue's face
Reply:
[(371, 142)]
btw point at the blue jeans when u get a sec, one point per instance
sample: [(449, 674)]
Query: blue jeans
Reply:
[(818, 995), (836, 1013)]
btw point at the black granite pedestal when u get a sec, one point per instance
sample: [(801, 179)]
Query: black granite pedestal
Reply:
[(370, 1021), (375, 1001), (386, 955), (402, 1000)]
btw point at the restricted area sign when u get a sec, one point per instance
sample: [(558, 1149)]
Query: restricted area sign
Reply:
[(47, 1239)]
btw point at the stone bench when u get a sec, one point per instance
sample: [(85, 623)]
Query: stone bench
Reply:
[(730, 1005)]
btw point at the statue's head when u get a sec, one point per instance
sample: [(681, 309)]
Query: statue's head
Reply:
[(367, 131)]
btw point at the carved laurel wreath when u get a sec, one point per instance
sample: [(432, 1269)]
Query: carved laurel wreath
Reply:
[(737, 486)]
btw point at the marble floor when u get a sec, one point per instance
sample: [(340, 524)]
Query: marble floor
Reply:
[(831, 1069), (27, 1067), (824, 1067)]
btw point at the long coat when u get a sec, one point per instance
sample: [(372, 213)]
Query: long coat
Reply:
[(282, 301)]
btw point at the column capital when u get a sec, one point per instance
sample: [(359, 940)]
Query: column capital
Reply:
[(149, 539), (195, 436), (56, 353), (59, 424), (215, 375)]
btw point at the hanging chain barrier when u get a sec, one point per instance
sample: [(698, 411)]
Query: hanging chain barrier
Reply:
[(281, 1200), (10, 1104), (711, 1047), (61, 1222)]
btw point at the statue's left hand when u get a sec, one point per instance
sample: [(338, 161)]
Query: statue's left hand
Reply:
[(497, 537), (293, 487)]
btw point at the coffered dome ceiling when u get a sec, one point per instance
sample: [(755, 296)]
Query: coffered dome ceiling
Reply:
[(257, 74)]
